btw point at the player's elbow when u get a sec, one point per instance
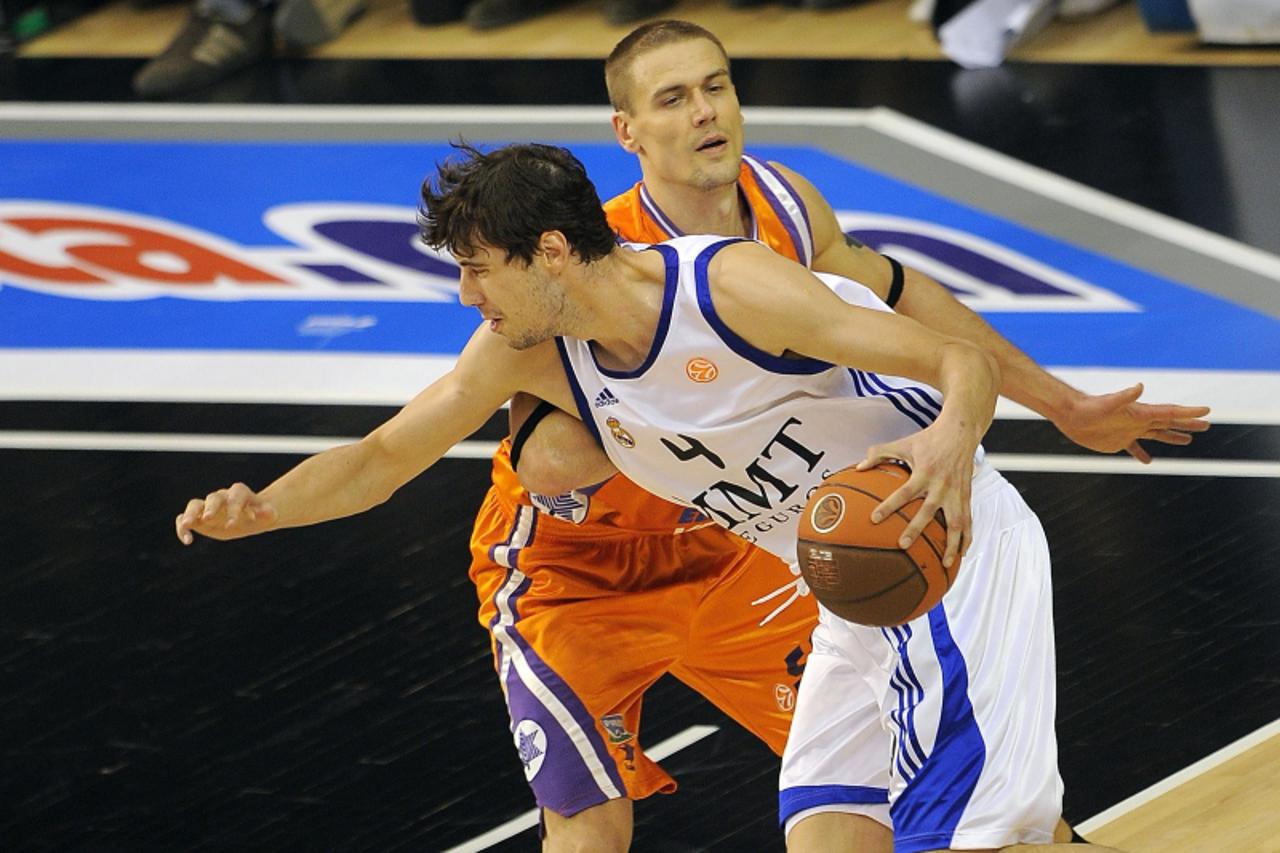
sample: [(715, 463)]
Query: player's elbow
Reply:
[(378, 472), (976, 365)]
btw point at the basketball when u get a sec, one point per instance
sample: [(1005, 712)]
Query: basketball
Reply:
[(855, 568)]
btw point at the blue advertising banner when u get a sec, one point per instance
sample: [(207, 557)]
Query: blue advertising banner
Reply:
[(296, 247)]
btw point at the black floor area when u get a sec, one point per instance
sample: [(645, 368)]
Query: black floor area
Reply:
[(329, 689)]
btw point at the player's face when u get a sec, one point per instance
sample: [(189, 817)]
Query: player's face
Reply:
[(523, 303), (682, 117)]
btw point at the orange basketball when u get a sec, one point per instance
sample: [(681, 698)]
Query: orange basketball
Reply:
[(855, 568)]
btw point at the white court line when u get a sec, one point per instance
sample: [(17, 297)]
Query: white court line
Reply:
[(1183, 776), (307, 444), (529, 819), (1063, 464), (203, 443), (156, 376)]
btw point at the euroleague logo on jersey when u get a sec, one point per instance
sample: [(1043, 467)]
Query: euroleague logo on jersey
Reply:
[(701, 369)]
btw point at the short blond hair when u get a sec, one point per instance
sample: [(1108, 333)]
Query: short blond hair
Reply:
[(642, 40)]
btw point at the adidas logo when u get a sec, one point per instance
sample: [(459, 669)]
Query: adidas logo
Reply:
[(605, 398)]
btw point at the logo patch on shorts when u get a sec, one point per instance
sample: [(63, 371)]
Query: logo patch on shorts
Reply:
[(617, 732), (531, 744), (785, 694)]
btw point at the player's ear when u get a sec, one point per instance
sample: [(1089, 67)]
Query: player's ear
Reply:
[(622, 130), (554, 249)]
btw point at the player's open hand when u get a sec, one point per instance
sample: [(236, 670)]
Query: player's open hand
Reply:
[(942, 475), (226, 514), (1109, 423)]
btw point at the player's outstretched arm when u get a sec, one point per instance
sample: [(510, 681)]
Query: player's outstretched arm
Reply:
[(745, 279), (355, 477), (1106, 423)]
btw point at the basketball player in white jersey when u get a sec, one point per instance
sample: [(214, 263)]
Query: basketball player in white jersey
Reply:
[(972, 760)]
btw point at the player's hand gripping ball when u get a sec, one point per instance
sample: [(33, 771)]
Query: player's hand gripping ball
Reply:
[(855, 568)]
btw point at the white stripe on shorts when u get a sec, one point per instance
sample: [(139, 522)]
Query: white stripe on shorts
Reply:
[(513, 655)]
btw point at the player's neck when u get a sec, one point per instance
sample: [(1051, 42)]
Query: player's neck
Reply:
[(621, 297), (718, 210)]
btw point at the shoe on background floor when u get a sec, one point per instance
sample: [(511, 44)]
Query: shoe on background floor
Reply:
[(432, 12), (630, 11), (491, 14), (307, 23), (211, 46)]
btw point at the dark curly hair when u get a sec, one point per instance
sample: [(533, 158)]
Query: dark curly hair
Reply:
[(508, 198)]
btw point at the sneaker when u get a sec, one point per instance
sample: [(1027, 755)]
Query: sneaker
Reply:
[(629, 11), (209, 48), (491, 14), (307, 23)]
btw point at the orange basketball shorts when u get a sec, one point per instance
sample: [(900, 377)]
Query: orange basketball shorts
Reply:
[(583, 619)]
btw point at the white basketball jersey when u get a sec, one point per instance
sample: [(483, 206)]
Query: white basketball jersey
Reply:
[(744, 436)]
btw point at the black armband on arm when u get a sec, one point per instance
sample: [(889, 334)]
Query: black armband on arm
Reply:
[(526, 429), (895, 287)]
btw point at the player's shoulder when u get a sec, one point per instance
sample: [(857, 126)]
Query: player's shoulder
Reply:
[(626, 201), (735, 258)]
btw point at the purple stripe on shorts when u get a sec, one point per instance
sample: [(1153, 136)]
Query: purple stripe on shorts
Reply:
[(567, 785)]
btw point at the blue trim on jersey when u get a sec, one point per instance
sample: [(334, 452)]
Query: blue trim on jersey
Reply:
[(584, 408), (671, 259), (863, 389), (777, 364), (783, 215), (916, 397), (926, 814), (792, 801)]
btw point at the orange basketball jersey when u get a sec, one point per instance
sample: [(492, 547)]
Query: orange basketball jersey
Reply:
[(780, 221), (778, 216)]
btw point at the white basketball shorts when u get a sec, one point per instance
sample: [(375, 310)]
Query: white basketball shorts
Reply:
[(943, 728)]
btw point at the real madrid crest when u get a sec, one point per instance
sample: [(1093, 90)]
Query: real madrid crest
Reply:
[(620, 435)]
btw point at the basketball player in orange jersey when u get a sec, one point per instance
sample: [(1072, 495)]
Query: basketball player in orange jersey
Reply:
[(733, 625)]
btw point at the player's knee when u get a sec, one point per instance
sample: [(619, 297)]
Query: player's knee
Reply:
[(560, 456), (605, 828), (839, 832)]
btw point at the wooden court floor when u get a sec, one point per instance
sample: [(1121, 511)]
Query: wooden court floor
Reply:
[(874, 29)]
